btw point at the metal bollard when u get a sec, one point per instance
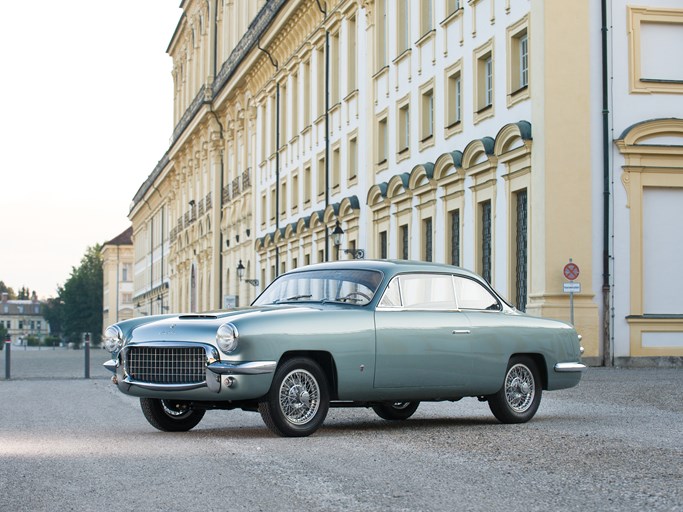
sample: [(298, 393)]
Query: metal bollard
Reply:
[(8, 348), (87, 356)]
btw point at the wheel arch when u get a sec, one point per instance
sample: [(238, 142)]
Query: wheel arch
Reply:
[(540, 364), (323, 359)]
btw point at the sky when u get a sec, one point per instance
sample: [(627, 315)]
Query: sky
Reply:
[(86, 112)]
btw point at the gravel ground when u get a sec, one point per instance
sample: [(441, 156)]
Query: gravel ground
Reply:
[(611, 444)]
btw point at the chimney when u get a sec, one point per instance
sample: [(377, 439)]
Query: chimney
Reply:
[(5, 297)]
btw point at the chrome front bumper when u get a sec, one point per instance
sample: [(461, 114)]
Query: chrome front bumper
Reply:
[(570, 367)]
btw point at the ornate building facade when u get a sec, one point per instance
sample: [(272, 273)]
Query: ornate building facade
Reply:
[(479, 133)]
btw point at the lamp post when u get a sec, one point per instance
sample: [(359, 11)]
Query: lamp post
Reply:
[(337, 235), (240, 275)]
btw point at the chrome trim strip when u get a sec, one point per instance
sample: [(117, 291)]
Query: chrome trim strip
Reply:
[(248, 368), (570, 367), (110, 365), (462, 331), (164, 387)]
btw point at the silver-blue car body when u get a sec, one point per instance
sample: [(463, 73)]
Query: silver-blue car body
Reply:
[(381, 334)]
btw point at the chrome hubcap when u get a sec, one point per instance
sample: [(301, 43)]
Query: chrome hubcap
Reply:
[(176, 411), (299, 397), (519, 388)]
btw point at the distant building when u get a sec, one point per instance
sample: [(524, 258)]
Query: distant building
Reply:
[(23, 318), (117, 286)]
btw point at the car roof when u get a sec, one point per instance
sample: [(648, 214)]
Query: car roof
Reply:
[(387, 267)]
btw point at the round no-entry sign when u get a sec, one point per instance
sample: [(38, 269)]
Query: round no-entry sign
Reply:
[(571, 271)]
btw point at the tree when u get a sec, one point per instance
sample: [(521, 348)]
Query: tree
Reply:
[(53, 312), (8, 290), (23, 294), (81, 298), (3, 336)]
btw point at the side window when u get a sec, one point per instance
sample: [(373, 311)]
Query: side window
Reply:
[(472, 295), (392, 295), (425, 291)]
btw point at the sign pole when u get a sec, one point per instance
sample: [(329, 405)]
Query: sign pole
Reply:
[(8, 365), (571, 272)]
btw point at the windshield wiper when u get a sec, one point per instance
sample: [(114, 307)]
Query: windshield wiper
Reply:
[(294, 297)]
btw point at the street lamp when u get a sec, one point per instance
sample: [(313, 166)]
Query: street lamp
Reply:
[(337, 235), (160, 300), (240, 275)]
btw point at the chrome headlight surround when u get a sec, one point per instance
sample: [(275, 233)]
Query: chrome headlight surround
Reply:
[(113, 338), (226, 337)]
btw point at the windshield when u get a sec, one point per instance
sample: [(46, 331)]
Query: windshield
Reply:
[(343, 286)]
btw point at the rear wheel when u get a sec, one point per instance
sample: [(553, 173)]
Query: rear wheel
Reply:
[(170, 415), (518, 400), (298, 400), (396, 410)]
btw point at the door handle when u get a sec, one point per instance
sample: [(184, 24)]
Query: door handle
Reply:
[(462, 331)]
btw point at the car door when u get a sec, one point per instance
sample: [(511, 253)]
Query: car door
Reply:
[(422, 340), (493, 332)]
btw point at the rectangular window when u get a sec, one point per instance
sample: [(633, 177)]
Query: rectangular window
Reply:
[(454, 98), (403, 241), (454, 232), (404, 127), (295, 105), (307, 93), (426, 16), (307, 184), (334, 69), (263, 209), (485, 221), (427, 239), (321, 176), (351, 57), (320, 81), (484, 79), (381, 32), (452, 6), (382, 140), (272, 204), (427, 114), (283, 119), (403, 26), (353, 158), (383, 245), (336, 169), (321, 256), (489, 81), (295, 191), (520, 264), (523, 61), (283, 197)]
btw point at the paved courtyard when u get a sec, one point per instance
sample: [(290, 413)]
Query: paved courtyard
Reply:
[(612, 443)]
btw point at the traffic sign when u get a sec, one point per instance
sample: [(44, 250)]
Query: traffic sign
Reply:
[(572, 287), (571, 271)]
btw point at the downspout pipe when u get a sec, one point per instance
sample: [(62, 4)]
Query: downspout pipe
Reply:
[(327, 128), (606, 147), (277, 154)]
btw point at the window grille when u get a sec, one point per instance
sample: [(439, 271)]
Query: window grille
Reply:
[(486, 240), (455, 237), (521, 257)]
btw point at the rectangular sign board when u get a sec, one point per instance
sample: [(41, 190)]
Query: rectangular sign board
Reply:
[(572, 287)]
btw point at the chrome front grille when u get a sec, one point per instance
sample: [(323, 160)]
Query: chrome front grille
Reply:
[(166, 365)]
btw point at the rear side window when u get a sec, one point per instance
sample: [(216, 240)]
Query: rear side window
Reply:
[(472, 295), (420, 291)]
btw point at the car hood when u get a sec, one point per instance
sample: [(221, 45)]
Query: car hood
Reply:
[(201, 327)]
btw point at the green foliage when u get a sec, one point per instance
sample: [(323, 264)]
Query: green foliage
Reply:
[(79, 305), (8, 290), (51, 341), (23, 294), (3, 336)]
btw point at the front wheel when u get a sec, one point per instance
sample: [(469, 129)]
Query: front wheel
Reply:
[(298, 400), (170, 415), (396, 410), (518, 400)]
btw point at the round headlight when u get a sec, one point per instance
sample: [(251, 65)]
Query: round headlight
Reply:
[(113, 338), (226, 337)]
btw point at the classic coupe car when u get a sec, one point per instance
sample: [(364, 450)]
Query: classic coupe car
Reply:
[(379, 334)]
